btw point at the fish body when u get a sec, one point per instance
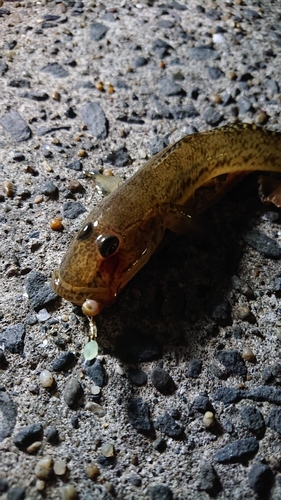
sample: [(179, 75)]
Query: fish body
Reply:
[(122, 232)]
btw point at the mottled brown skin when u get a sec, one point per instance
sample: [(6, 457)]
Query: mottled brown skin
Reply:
[(139, 211)]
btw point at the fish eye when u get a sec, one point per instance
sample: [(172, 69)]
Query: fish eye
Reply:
[(85, 232), (107, 244)]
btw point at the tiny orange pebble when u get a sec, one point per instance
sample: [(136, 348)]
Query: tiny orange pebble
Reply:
[(162, 65), (38, 199), (111, 89), (56, 224), (56, 96), (99, 86), (82, 153), (8, 189), (107, 172)]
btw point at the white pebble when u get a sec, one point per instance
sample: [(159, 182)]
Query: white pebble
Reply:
[(209, 419), (119, 370), (43, 315), (46, 378), (95, 390), (218, 38), (59, 467), (107, 450), (40, 485)]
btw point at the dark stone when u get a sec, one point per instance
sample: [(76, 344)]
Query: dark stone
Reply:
[(135, 347), (97, 31), (263, 244), (119, 158), (177, 6), (3, 361), (3, 67), (55, 70), (120, 84), (18, 156), (72, 209), (228, 395), (194, 368), (19, 83), (3, 485), (49, 130), (238, 451), (160, 47), (137, 377), (157, 144), (261, 480), (39, 290), (208, 480), (221, 313), (160, 491), (212, 116), (214, 72), (135, 480), (64, 361), (28, 435), (274, 420), (169, 426), (140, 61), (93, 116), (202, 404), (35, 95), (16, 493), (253, 420), (251, 14), (13, 338), (75, 165), (70, 113), (182, 112), (49, 189), (265, 393), (233, 362), (139, 415), (8, 411), (75, 422), (267, 375), (51, 434), (162, 381), (213, 14), (169, 87), (16, 126), (96, 373), (160, 445), (72, 392), (166, 24), (203, 53), (244, 105)]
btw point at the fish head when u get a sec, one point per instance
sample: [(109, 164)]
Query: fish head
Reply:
[(101, 259)]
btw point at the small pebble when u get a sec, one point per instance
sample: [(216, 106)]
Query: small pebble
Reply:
[(51, 434), (56, 224), (44, 468), (82, 153), (56, 96), (40, 485), (92, 471), (107, 450), (248, 355), (34, 447), (261, 118), (209, 419), (244, 313), (59, 467), (68, 492), (8, 189), (46, 379)]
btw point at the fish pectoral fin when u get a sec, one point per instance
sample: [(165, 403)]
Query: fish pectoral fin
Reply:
[(182, 220), (106, 183)]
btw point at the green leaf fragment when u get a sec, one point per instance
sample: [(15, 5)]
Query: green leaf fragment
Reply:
[(90, 350)]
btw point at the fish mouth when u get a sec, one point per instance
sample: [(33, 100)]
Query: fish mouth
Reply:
[(78, 294)]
